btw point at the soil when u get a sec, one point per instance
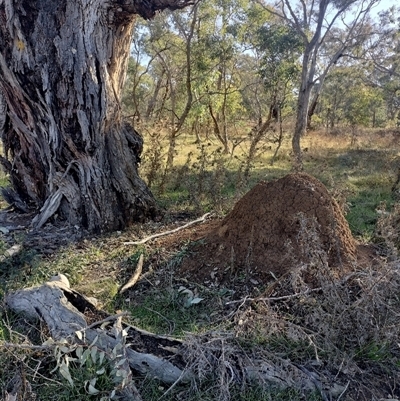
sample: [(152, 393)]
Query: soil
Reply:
[(276, 226)]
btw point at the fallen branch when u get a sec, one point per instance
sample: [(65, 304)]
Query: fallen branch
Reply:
[(135, 277), (60, 308), (24, 346), (267, 299), (144, 240)]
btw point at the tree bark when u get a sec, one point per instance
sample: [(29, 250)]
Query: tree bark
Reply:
[(66, 149), (307, 82)]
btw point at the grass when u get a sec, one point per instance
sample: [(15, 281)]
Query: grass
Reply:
[(360, 179), (165, 312), (362, 215), (362, 175), (152, 390)]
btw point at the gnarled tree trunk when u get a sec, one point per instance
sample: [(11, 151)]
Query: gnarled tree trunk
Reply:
[(67, 151)]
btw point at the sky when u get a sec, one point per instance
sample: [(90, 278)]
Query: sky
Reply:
[(385, 4)]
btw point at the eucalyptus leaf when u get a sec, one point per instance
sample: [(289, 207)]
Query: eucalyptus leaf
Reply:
[(196, 300), (92, 390), (121, 362), (93, 354), (100, 371), (64, 371), (101, 357), (79, 352)]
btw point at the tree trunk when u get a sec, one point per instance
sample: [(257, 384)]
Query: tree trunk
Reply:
[(311, 110), (66, 148), (303, 100), (256, 135), (301, 126)]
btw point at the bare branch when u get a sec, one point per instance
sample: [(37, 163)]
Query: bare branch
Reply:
[(144, 240)]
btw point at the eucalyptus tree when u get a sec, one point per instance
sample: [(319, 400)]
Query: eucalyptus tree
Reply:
[(342, 45), (67, 150), (140, 90), (169, 44), (315, 21), (201, 57), (348, 99), (279, 47), (220, 64), (137, 90), (186, 27), (382, 59)]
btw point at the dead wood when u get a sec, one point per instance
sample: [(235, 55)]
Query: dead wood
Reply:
[(135, 277), (154, 236), (170, 360), (62, 309)]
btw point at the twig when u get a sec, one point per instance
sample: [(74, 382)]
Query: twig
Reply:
[(35, 371), (135, 277), (297, 294), (170, 322), (345, 389), (24, 346), (144, 240), (147, 274), (107, 319)]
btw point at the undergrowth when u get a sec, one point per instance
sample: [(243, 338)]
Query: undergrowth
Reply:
[(340, 332)]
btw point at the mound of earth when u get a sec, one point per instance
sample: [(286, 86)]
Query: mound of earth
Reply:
[(276, 226)]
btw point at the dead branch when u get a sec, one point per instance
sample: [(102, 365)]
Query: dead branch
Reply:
[(60, 308), (267, 299), (144, 240), (135, 277)]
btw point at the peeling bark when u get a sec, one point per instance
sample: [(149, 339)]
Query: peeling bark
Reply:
[(67, 150)]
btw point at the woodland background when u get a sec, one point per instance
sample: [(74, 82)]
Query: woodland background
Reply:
[(213, 90)]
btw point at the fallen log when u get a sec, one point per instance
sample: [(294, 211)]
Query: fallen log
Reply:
[(63, 310), (167, 359)]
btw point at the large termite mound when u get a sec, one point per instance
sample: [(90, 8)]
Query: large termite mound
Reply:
[(275, 227)]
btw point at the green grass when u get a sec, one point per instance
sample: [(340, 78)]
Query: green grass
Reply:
[(362, 215), (376, 352), (4, 332), (23, 269), (297, 351), (166, 312)]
